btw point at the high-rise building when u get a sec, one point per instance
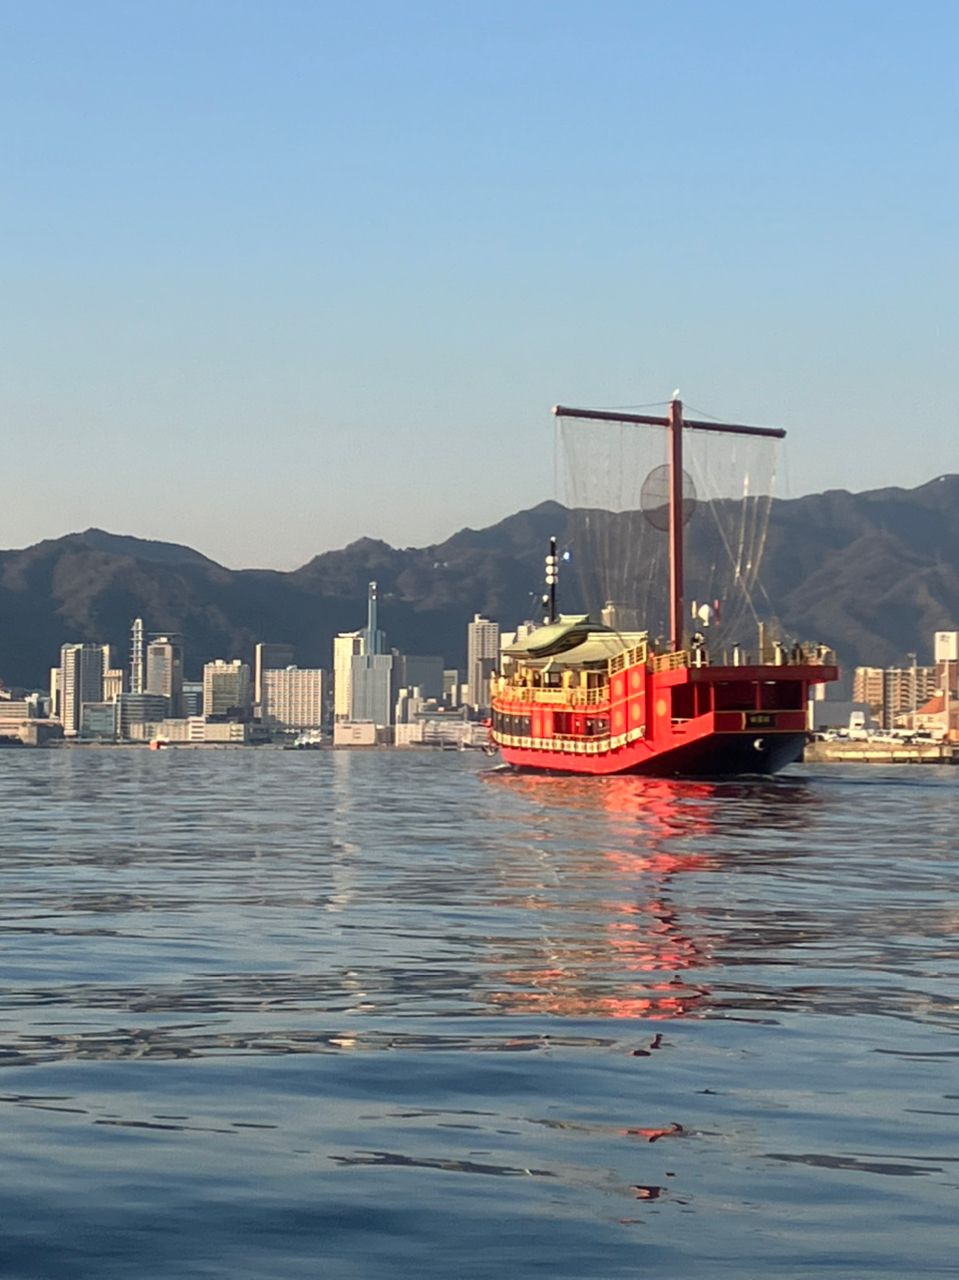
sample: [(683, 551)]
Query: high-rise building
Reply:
[(482, 653), (138, 709), (81, 680), (412, 671), (946, 654), (410, 705), (894, 694), (906, 689), (192, 698), (293, 698), (269, 657), (371, 694), (55, 691), (164, 671), (451, 686), (346, 646), (98, 720), (226, 689), (946, 646), (112, 684), (867, 687)]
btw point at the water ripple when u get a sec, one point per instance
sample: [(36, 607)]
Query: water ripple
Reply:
[(257, 1006)]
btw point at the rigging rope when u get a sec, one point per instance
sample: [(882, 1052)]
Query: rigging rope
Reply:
[(621, 559)]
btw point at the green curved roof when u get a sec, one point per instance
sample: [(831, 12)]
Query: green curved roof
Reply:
[(568, 630), (572, 641)]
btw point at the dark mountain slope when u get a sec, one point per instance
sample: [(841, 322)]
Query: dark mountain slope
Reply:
[(873, 573)]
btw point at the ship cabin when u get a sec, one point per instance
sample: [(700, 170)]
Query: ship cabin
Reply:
[(578, 686), (555, 683)]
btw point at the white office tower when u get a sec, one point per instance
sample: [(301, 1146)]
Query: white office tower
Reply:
[(112, 684), (371, 688), (947, 646), (226, 688), (81, 680), (346, 646), (268, 657), (451, 687), (946, 652), (292, 698), (164, 671), (482, 653), (409, 704)]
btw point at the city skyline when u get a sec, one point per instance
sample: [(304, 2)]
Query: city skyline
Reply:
[(329, 257), (394, 699), (391, 698)]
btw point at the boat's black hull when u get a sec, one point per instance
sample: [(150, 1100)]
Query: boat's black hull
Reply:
[(717, 755), (727, 754)]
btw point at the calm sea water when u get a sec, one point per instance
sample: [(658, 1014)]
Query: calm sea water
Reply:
[(270, 1014)]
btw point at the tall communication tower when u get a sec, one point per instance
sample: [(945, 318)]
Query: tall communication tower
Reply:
[(137, 659), (375, 639)]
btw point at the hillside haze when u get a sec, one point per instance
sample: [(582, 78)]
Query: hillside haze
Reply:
[(873, 574)]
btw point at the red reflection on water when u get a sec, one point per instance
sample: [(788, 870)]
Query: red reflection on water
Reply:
[(601, 971), (654, 1134)]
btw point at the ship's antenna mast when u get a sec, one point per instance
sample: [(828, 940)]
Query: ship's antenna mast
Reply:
[(552, 577), (676, 425)]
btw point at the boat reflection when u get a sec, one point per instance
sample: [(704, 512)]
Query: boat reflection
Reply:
[(619, 936)]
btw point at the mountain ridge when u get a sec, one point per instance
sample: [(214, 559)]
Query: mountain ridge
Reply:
[(871, 573)]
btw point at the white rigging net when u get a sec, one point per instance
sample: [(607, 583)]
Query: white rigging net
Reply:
[(614, 480)]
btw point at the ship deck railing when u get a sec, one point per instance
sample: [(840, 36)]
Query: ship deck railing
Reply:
[(628, 658), (553, 697), (778, 656), (772, 655), (669, 661)]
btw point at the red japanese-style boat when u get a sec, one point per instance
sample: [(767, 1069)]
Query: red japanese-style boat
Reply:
[(577, 696)]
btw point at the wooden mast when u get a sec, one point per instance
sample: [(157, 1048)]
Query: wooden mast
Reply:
[(676, 521), (676, 424)]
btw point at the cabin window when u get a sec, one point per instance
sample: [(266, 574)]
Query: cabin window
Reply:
[(735, 695), (781, 695), (683, 701), (515, 726)]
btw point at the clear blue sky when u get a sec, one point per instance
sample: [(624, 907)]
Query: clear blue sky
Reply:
[(278, 275)]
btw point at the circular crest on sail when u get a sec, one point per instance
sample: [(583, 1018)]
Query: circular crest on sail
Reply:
[(654, 498)]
